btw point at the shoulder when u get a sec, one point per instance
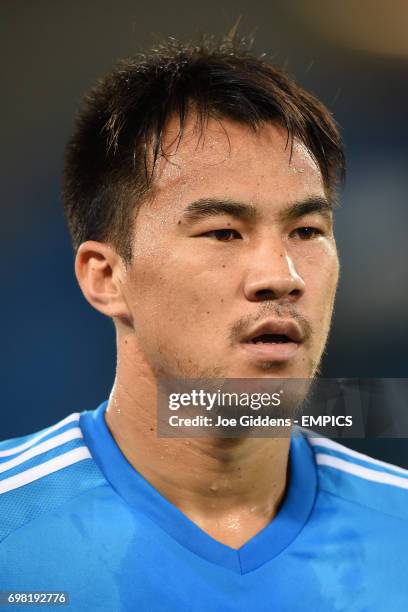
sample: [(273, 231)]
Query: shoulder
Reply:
[(359, 478), (42, 471)]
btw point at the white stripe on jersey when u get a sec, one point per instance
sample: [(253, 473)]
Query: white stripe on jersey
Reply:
[(360, 471), (48, 467), (58, 440), (21, 447), (335, 446)]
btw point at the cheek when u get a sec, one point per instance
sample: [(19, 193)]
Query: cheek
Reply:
[(319, 268), (172, 289), (319, 261)]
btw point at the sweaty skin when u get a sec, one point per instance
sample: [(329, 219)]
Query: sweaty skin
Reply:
[(194, 287)]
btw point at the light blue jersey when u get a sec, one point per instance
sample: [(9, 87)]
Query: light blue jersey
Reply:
[(76, 517)]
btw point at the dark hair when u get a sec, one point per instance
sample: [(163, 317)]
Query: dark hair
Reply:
[(110, 159)]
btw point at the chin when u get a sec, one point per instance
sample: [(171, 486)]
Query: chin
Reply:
[(273, 370)]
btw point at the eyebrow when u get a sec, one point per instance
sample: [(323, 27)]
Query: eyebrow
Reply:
[(209, 207), (314, 204)]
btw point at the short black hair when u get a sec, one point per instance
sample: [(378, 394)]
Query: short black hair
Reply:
[(123, 117)]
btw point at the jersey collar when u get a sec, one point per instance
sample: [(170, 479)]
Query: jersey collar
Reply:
[(142, 497)]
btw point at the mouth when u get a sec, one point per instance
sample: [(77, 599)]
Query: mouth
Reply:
[(270, 339), (273, 341)]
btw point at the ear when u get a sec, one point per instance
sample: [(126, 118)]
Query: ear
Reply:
[(100, 273)]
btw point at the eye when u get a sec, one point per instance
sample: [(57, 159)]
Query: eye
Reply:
[(307, 233), (223, 235)]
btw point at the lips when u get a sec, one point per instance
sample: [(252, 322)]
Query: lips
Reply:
[(273, 341), (274, 332)]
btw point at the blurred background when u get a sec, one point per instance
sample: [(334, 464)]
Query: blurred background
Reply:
[(58, 355)]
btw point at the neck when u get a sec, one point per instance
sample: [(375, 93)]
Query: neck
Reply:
[(231, 488)]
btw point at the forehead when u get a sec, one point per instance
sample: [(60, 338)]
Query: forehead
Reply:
[(230, 160)]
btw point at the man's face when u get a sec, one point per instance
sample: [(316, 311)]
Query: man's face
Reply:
[(225, 281)]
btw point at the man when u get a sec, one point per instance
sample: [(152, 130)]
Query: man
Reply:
[(199, 191)]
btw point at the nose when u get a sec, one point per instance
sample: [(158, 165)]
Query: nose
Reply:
[(272, 276)]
